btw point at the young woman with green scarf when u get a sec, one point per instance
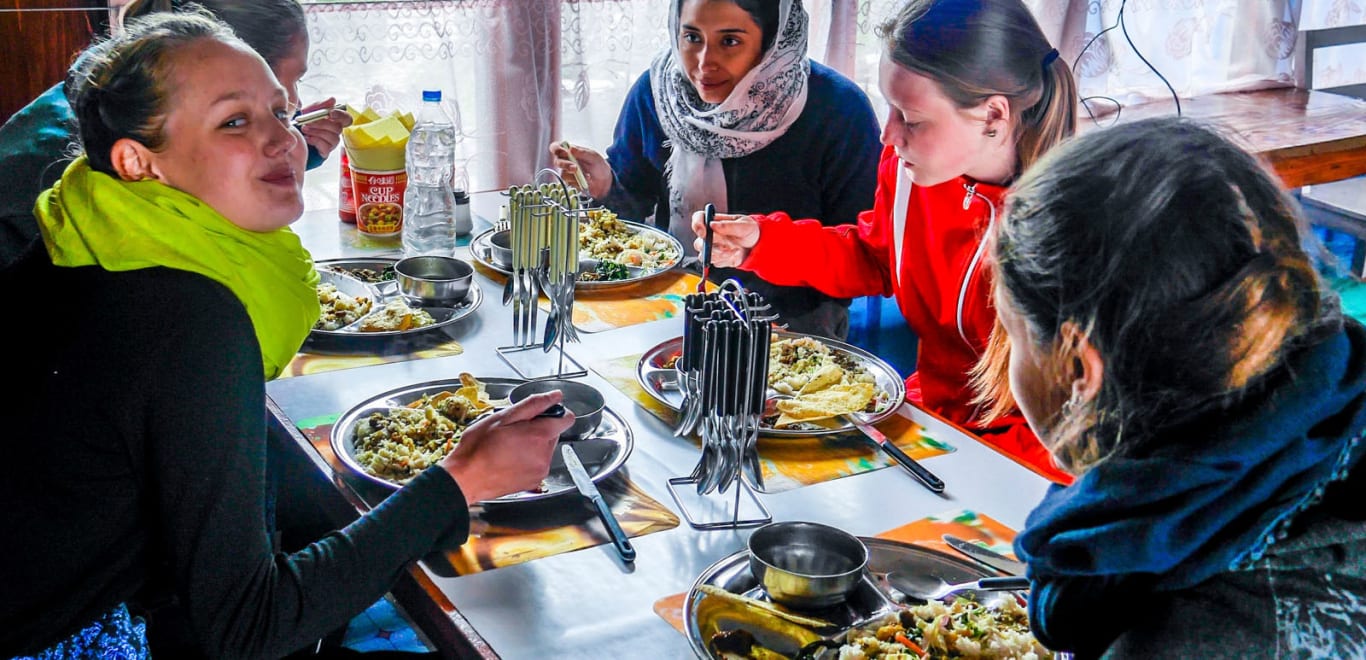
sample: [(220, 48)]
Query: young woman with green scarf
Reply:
[(167, 288), (35, 143)]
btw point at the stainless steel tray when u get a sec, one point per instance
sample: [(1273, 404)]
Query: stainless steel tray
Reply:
[(348, 266), (483, 254), (867, 603), (602, 453), (382, 292), (662, 384)]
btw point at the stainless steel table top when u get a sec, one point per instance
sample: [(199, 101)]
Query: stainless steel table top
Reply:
[(587, 604)]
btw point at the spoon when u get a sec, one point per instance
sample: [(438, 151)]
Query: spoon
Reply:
[(552, 331), (928, 587), (578, 171)]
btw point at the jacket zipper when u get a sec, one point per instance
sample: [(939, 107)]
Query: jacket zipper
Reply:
[(971, 189)]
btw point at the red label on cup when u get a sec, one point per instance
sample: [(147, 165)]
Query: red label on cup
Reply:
[(346, 196), (379, 201)]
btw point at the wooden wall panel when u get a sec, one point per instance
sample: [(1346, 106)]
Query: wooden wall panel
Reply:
[(36, 46)]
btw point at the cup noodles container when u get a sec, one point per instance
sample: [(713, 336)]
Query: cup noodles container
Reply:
[(346, 196), (379, 201)]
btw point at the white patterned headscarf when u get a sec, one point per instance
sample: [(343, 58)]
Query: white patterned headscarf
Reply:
[(760, 109)]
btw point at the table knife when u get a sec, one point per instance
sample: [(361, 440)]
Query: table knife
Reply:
[(935, 484), (590, 490), (991, 558)]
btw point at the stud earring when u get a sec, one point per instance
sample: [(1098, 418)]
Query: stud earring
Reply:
[(991, 132)]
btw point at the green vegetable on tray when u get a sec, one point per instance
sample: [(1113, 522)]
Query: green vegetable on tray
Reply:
[(611, 270), (606, 271)]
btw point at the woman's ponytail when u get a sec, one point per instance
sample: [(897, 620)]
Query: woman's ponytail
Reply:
[(1054, 118)]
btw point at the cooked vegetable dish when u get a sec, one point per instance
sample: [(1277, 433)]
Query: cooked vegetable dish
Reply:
[(396, 315), (822, 383), (398, 444), (339, 309), (605, 271), (607, 238), (961, 629), (367, 275)]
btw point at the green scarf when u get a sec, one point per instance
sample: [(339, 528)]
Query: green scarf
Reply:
[(92, 219)]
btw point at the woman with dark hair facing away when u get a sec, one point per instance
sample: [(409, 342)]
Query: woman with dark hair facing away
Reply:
[(976, 95), (136, 454), (1171, 343), (733, 113), (38, 140)]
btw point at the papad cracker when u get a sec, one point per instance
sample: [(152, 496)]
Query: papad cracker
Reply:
[(833, 401), (827, 376)]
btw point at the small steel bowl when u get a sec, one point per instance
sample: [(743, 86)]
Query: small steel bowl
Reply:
[(500, 248), (584, 401), (434, 279), (806, 565)]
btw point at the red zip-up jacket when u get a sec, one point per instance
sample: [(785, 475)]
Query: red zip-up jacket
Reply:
[(944, 289)]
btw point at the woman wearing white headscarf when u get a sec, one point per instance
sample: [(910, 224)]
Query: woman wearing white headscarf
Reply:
[(734, 114)]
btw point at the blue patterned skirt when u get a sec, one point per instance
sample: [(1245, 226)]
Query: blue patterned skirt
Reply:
[(114, 635)]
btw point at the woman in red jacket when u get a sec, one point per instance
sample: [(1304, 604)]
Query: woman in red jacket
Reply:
[(976, 95)]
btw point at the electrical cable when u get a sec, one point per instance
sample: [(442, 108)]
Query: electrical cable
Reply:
[(1125, 29), (1119, 23), (1085, 100)]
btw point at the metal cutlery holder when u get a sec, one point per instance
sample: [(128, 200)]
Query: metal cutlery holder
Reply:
[(543, 228), (723, 372)]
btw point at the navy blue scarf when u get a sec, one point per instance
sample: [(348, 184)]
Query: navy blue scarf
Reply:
[(1211, 496)]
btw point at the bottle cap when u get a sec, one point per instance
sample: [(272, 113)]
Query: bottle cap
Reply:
[(431, 95), (461, 197)]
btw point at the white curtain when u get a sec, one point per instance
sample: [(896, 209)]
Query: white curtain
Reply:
[(605, 48), (497, 64), (518, 73), (1199, 46)]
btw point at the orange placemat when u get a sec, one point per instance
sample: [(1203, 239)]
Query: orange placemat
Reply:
[(926, 532), (794, 462), (651, 300), (505, 535), (304, 364), (500, 539)]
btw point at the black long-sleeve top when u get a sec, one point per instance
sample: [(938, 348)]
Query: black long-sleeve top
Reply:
[(134, 466)]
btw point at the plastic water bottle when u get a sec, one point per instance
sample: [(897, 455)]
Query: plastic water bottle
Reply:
[(429, 224)]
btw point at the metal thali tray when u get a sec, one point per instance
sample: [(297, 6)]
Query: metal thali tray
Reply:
[(338, 272), (662, 384), (482, 253), (603, 453), (869, 601), (380, 271)]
